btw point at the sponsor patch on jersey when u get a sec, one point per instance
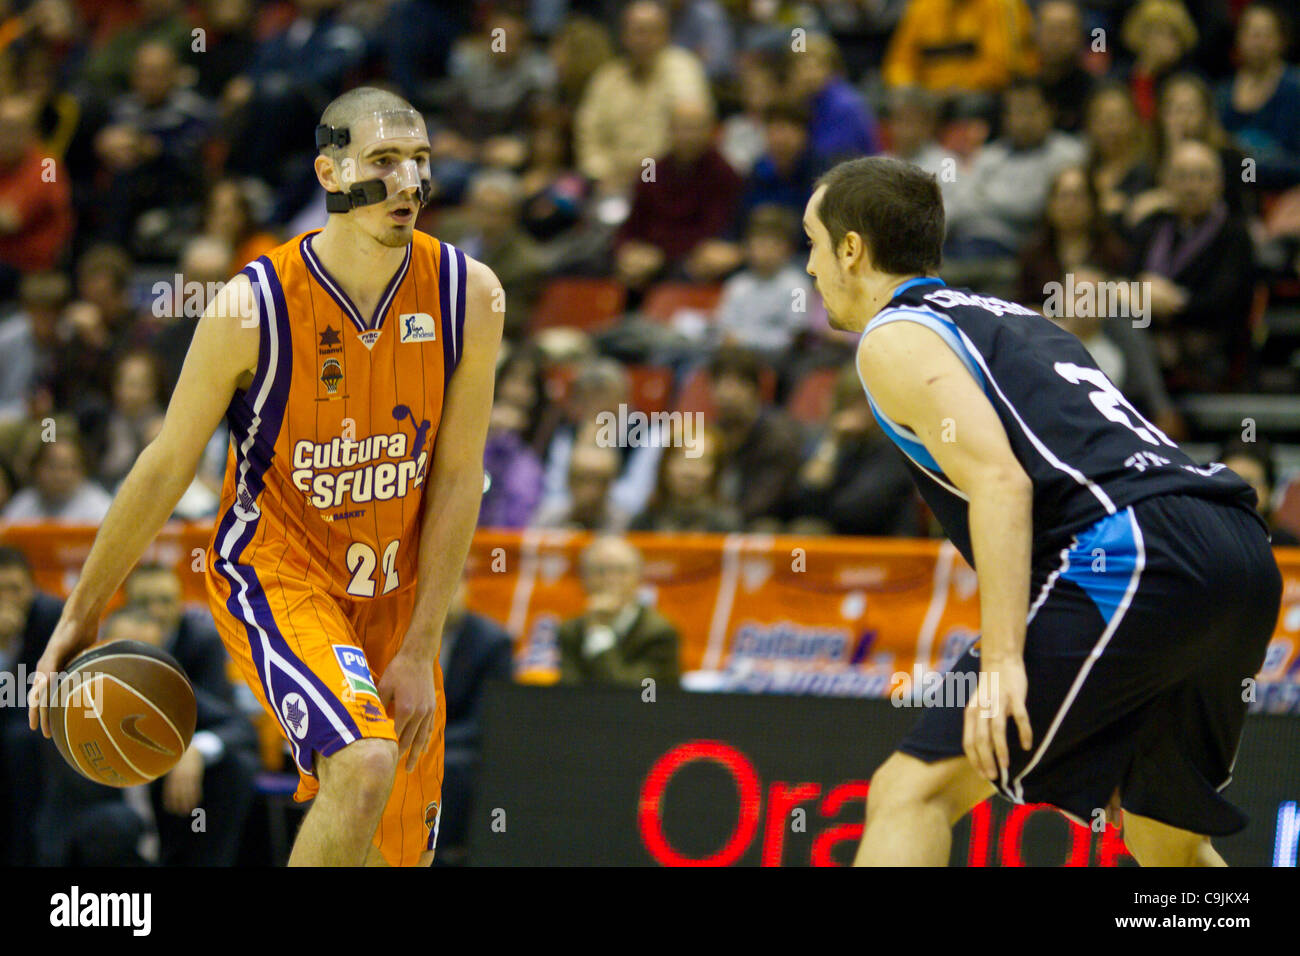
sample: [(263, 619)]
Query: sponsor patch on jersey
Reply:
[(418, 327), (330, 342), (355, 668), (369, 337)]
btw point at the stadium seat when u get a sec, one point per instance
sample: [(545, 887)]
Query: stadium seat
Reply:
[(664, 300), (588, 304), (652, 387), (810, 402)]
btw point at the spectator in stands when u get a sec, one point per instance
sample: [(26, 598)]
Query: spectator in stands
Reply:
[(765, 305), (855, 481), (29, 342), (760, 454), (136, 414), (35, 203), (682, 208), (27, 619), (686, 496), (840, 124), (1073, 234), (1121, 350), (588, 505), (956, 46), (205, 265), (488, 228), (216, 771), (1161, 36), (8, 485), (497, 77), (1187, 113), (1198, 263), (554, 193), (228, 216), (1001, 197), (914, 131), (596, 396), (475, 651), (99, 324), (60, 490), (150, 154), (785, 172), (1059, 36), (1119, 151), (626, 110), (1260, 106), (296, 71), (513, 469), (580, 48), (704, 27), (743, 139), (617, 640), (521, 381), (1253, 461), (160, 21), (229, 45)]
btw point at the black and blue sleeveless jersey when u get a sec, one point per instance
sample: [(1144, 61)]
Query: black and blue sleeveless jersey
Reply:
[(1087, 450)]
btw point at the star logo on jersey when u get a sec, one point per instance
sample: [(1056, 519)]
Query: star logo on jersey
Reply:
[(330, 341), (294, 710)]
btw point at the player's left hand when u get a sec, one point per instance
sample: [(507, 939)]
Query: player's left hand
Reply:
[(409, 696), (984, 733)]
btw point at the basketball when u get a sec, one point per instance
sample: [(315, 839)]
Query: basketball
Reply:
[(122, 714)]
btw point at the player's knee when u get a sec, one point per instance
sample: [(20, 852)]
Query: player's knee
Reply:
[(361, 774), (905, 782)]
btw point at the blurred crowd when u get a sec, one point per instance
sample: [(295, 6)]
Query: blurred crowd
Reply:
[(635, 173)]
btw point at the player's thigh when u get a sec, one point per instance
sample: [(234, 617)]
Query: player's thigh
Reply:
[(952, 783), (1153, 843)]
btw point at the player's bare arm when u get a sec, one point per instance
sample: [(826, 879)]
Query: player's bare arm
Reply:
[(451, 508), (221, 358), (918, 381)]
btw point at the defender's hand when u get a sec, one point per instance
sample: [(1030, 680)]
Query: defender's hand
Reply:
[(408, 694), (70, 636), (1002, 690)]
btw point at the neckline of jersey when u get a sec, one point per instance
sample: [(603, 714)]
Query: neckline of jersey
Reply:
[(335, 289), (919, 280)]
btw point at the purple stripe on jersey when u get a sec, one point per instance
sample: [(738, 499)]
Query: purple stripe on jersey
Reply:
[(390, 292), (259, 412), (312, 717), (328, 284), (459, 341), (444, 310)]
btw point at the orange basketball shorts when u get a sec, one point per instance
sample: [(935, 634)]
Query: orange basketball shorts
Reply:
[(314, 663)]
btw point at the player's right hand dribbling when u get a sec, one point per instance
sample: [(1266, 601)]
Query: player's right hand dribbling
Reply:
[(70, 636)]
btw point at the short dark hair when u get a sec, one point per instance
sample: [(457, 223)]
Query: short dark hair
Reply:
[(895, 207), (743, 363), (1260, 451), (770, 219), (11, 557)]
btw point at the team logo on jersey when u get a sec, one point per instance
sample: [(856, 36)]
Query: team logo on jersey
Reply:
[(369, 337), (294, 710), (418, 327), (331, 373), (431, 814), (401, 412), (356, 670), (330, 341), (246, 508), (371, 712)]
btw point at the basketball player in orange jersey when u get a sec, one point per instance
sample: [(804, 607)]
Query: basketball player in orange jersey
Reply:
[(354, 366)]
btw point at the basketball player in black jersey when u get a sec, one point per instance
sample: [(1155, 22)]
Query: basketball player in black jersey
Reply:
[(1126, 593)]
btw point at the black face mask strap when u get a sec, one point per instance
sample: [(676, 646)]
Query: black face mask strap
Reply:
[(365, 193)]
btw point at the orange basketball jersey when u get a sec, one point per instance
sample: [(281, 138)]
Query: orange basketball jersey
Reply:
[(332, 444)]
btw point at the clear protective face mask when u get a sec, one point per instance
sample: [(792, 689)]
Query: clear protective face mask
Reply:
[(362, 179)]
